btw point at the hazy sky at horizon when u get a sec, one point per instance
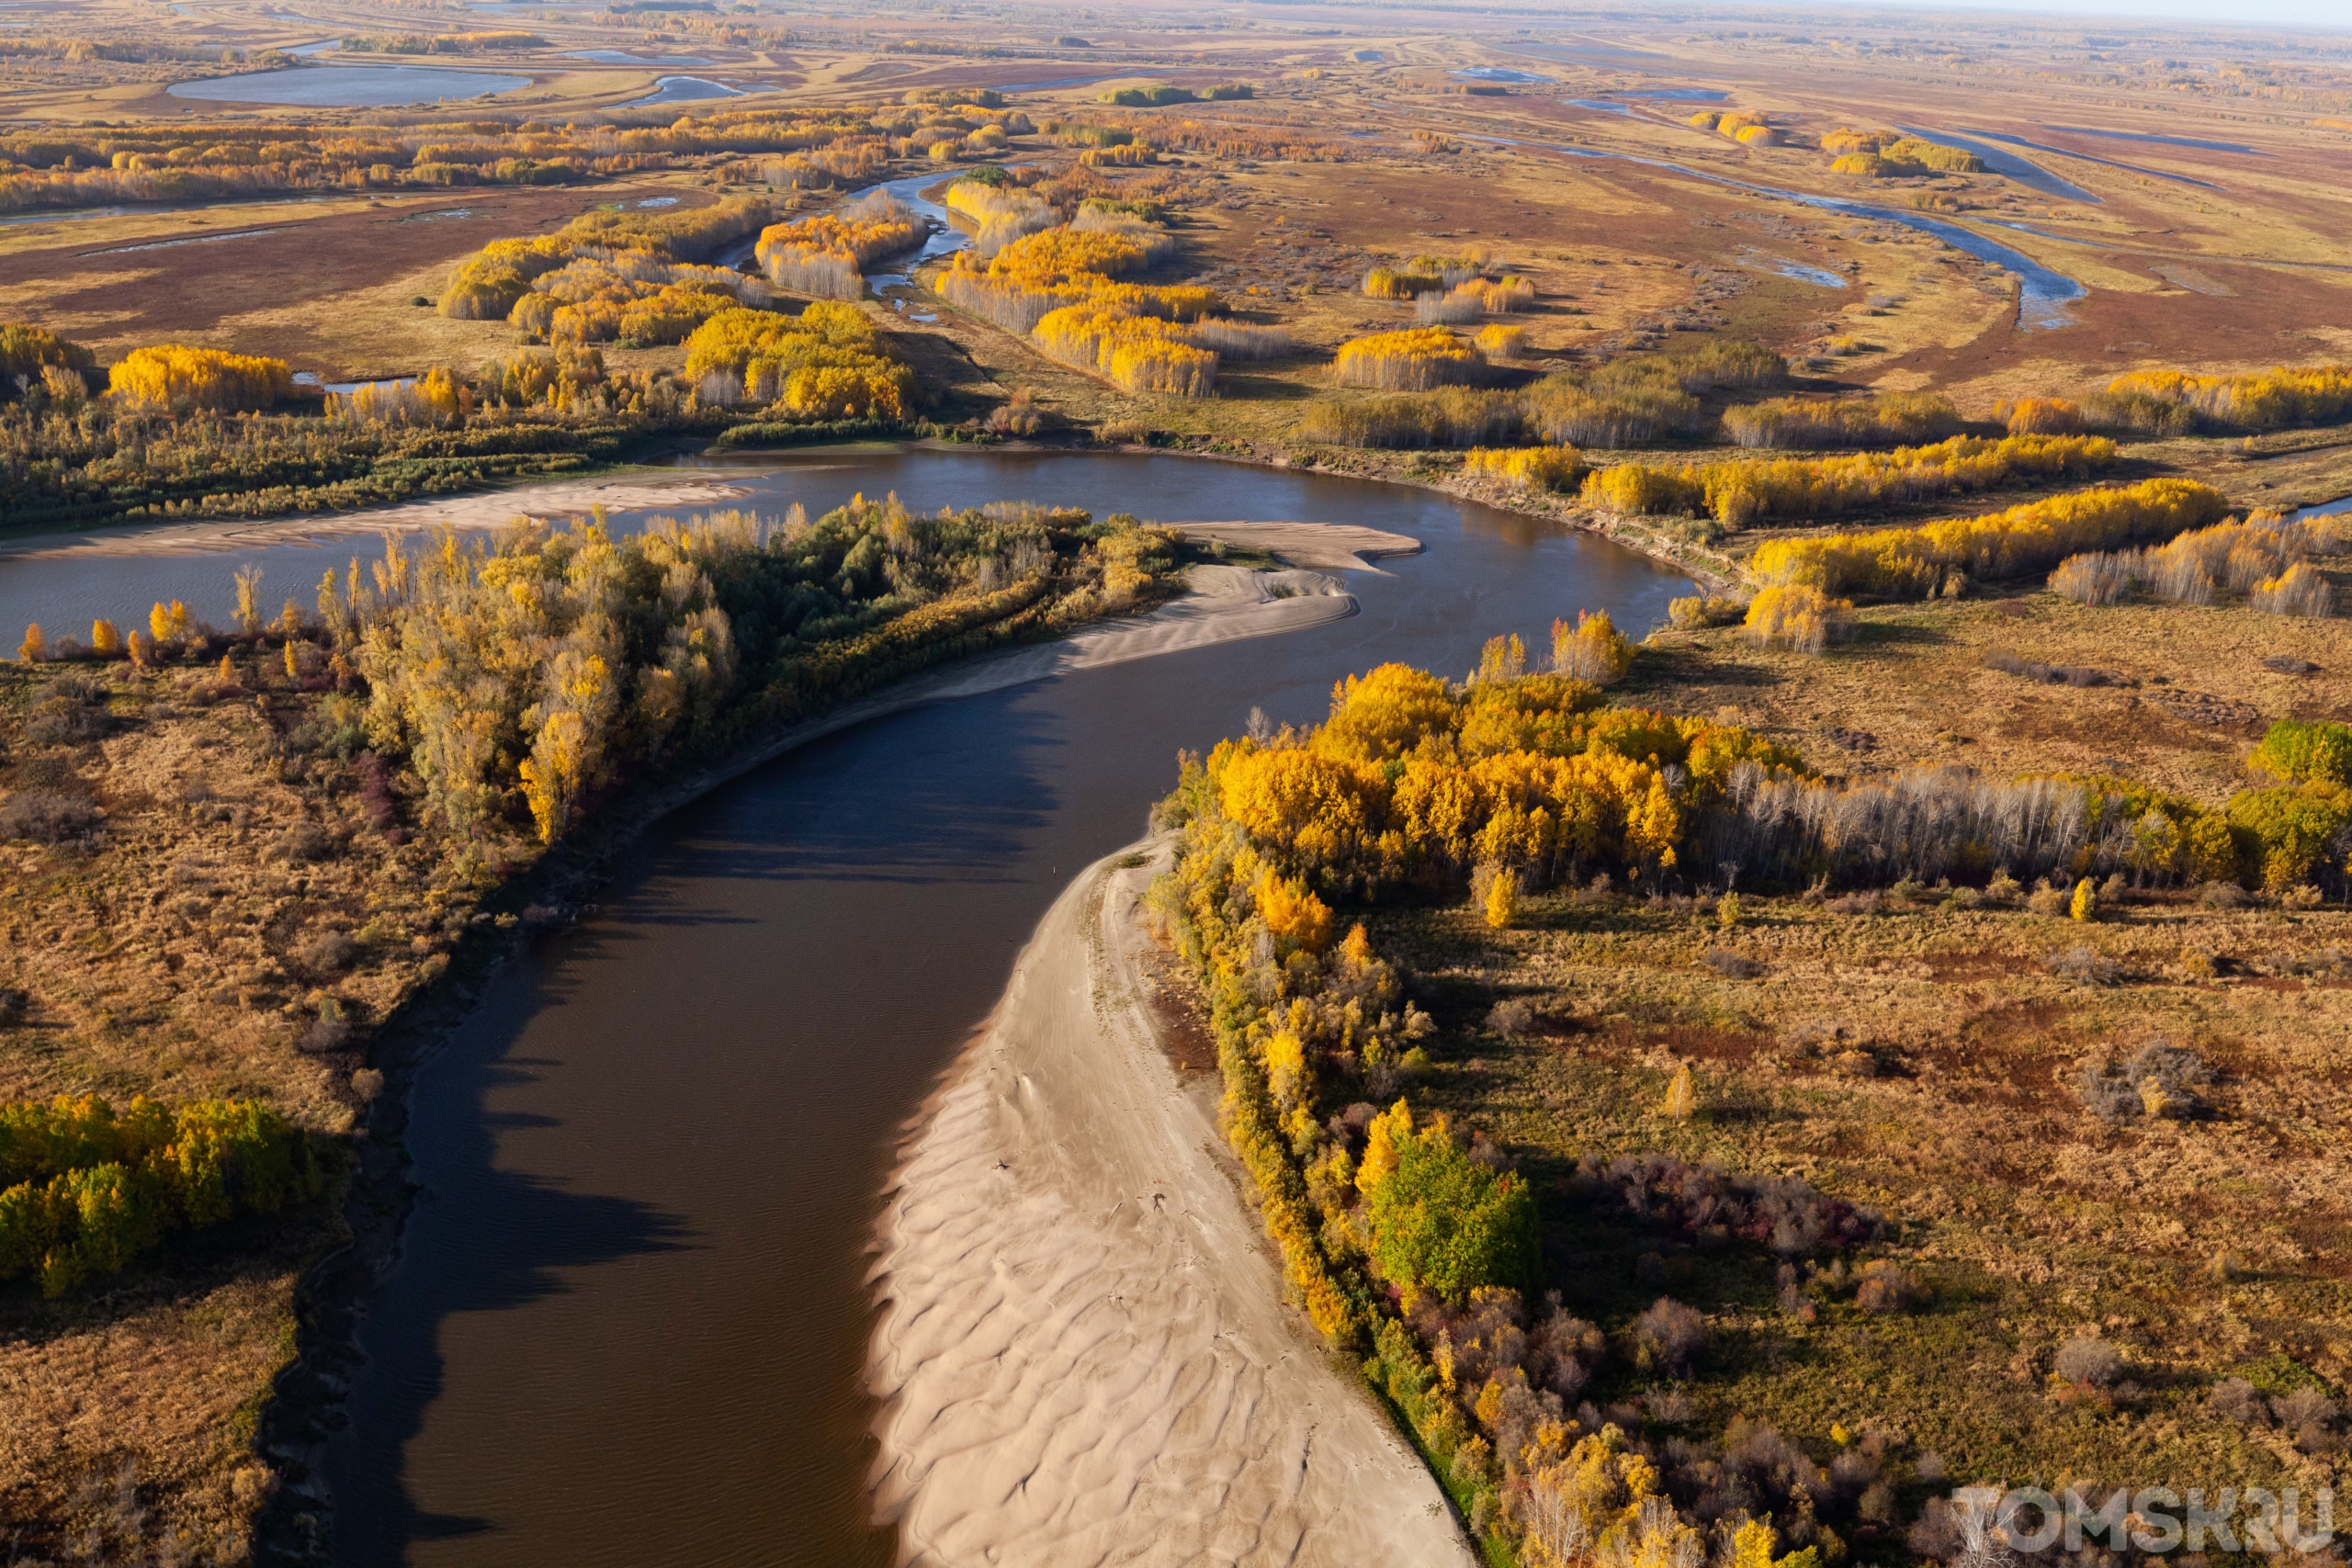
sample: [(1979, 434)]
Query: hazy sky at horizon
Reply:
[(2332, 15)]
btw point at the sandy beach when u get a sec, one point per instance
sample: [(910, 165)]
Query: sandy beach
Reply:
[(482, 509), (1326, 546), (1082, 1348)]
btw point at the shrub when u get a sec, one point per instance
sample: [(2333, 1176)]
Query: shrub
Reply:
[(2088, 1361), (2291, 830), (2160, 1080), (1886, 1287), (2298, 591), (1413, 360), (2084, 962), (2138, 413), (2296, 751), (26, 350), (1147, 97), (2236, 1400), (46, 817), (1723, 961), (1633, 399), (2267, 400), (1139, 354), (1388, 283), (1697, 612), (1887, 418), (1669, 1336), (1002, 213), (1641, 490), (1445, 310), (2096, 579), (828, 362), (85, 1190), (1797, 616), (1497, 341), (1511, 1017), (1449, 416), (2040, 416), (1241, 340), (1751, 490)]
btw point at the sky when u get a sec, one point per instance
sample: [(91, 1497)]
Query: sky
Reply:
[(2330, 14)]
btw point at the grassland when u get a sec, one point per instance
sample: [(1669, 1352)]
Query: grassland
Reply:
[(1922, 1054)]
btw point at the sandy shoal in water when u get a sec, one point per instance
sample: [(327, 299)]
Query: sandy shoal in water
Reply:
[(1083, 1351)]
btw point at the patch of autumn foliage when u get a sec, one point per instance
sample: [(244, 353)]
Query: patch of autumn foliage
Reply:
[(824, 254), (1534, 468), (826, 363), (1754, 490), (1411, 779), (86, 1190), (173, 375), (1413, 360), (2267, 400), (1915, 562), (486, 285)]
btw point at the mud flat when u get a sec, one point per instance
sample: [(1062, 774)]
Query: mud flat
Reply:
[(1083, 1350)]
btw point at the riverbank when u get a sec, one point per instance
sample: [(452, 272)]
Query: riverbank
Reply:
[(1224, 604), (1083, 1348)]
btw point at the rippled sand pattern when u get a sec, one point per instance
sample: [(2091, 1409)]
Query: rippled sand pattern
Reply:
[(1083, 1348)]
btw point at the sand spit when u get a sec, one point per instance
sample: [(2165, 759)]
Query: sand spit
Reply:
[(485, 509), (1083, 1348), (1328, 546)]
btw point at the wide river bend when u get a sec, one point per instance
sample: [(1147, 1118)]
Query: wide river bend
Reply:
[(630, 1318)]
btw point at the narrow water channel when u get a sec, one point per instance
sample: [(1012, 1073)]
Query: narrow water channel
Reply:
[(629, 1322)]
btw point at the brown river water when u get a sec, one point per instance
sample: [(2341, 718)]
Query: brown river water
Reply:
[(630, 1320)]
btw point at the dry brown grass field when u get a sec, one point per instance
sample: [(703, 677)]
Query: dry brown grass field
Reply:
[(235, 891), (185, 952), (1921, 1052)]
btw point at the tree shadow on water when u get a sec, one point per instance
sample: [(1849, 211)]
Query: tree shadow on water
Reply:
[(480, 1239), (951, 791)]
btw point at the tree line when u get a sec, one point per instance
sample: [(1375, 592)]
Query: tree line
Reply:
[(86, 1190)]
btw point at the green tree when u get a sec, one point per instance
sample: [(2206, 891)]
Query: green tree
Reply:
[(1445, 1224)]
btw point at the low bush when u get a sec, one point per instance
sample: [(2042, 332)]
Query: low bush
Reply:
[(2089, 1361), (1669, 1337), (1449, 416), (2159, 1081)]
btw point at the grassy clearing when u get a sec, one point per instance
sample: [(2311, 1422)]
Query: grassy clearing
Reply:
[(1945, 1098)]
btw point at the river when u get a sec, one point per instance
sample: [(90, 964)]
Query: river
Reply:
[(629, 1322)]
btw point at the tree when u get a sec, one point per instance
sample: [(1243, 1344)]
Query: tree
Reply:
[(1592, 650), (1682, 1094), (249, 600), (1445, 1224), (34, 648)]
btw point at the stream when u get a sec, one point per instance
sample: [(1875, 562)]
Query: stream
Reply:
[(2042, 294)]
